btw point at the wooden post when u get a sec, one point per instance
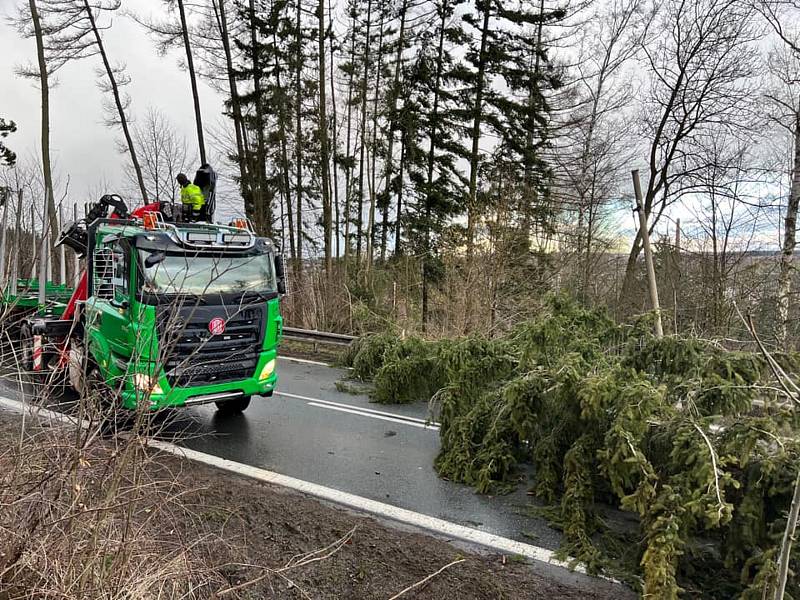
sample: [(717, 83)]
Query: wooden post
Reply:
[(44, 262), (62, 251), (648, 253), (47, 232), (77, 275), (35, 245)]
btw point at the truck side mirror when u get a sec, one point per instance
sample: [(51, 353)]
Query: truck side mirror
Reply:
[(280, 274)]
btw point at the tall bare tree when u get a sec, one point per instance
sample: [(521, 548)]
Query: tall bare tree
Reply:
[(73, 32), (700, 64), (163, 154), (30, 25)]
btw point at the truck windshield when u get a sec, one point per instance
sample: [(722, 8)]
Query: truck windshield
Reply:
[(199, 275)]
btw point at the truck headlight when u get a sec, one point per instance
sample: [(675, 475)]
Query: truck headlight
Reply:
[(146, 383), (267, 370)]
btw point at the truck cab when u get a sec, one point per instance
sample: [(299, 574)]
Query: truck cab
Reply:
[(177, 315)]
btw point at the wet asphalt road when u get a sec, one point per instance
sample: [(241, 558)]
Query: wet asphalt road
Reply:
[(335, 442), (310, 431)]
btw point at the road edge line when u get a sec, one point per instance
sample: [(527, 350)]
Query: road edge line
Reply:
[(358, 503)]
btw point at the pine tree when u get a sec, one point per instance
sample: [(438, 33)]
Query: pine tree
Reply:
[(439, 185)]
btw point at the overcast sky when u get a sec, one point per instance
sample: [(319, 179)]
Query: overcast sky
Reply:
[(81, 146)]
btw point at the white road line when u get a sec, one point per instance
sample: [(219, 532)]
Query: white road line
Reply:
[(304, 361), (381, 417), (381, 509), (358, 408)]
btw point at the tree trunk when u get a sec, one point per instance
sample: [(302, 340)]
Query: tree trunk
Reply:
[(44, 84), (374, 145), (477, 116), (335, 144), (530, 190), (789, 240), (398, 240), (348, 173), (323, 142), (260, 212), (236, 109), (395, 94), (286, 186), (362, 158), (299, 135), (198, 118), (431, 156), (117, 101)]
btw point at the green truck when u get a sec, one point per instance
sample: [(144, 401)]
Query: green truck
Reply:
[(165, 314)]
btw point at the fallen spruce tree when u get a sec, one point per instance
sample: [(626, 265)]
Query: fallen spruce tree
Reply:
[(697, 441)]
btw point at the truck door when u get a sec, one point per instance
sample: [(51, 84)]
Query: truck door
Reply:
[(109, 336)]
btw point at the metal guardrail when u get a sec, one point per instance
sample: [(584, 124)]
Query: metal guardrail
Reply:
[(318, 337)]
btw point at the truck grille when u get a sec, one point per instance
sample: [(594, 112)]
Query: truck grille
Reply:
[(192, 356)]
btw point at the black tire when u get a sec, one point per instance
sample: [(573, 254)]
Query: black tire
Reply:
[(233, 407)]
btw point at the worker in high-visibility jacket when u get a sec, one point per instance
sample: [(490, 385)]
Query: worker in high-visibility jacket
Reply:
[(192, 199)]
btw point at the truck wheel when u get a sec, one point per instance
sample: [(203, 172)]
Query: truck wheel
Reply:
[(233, 407)]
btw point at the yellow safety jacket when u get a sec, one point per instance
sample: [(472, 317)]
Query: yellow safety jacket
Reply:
[(191, 194)]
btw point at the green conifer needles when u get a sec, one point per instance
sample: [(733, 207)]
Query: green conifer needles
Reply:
[(693, 439)]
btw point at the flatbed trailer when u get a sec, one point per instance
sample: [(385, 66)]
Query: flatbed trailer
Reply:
[(26, 299)]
